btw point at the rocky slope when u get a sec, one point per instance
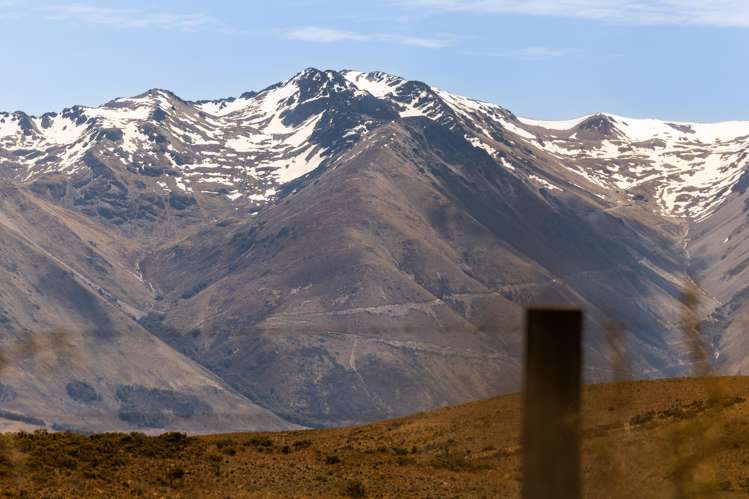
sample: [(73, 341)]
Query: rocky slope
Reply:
[(347, 246)]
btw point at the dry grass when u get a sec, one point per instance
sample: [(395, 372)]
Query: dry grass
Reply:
[(465, 451), (687, 440)]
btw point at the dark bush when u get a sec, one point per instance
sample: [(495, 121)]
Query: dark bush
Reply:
[(458, 462), (355, 489), (226, 442), (302, 444), (174, 437), (261, 442), (641, 419), (173, 475)]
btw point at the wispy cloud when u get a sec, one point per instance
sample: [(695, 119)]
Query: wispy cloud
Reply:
[(133, 18), (721, 13), (325, 35), (9, 10)]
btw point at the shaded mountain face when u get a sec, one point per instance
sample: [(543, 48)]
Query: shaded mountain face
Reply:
[(342, 247)]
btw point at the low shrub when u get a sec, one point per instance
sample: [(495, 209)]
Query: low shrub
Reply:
[(355, 488)]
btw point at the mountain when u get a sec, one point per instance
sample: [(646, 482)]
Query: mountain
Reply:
[(344, 246)]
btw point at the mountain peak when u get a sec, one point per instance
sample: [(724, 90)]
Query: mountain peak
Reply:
[(153, 96), (315, 83), (309, 72), (377, 83), (598, 125), (294, 126)]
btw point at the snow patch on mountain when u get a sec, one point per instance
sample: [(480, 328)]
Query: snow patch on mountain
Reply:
[(691, 166), (378, 84), (554, 125), (244, 148)]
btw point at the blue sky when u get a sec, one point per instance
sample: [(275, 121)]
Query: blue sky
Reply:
[(552, 59)]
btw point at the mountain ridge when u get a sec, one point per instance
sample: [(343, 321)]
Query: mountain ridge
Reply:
[(414, 99), (345, 246)]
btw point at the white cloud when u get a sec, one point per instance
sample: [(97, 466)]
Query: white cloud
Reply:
[(416, 41), (325, 35), (723, 13), (8, 10), (133, 18)]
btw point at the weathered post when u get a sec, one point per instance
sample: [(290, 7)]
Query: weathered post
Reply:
[(551, 439)]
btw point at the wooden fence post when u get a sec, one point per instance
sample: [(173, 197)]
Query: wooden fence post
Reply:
[(551, 437)]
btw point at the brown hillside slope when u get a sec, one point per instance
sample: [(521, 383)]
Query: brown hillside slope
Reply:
[(639, 442)]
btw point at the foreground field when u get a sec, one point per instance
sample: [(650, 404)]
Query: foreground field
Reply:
[(644, 439)]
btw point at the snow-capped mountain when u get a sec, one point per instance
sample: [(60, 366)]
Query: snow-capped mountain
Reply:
[(343, 246), (239, 148), (245, 148), (689, 168)]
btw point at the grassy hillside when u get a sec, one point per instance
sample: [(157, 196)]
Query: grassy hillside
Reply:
[(643, 439)]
